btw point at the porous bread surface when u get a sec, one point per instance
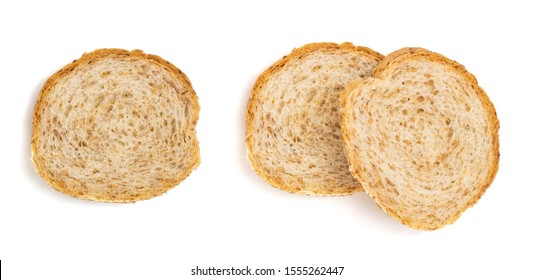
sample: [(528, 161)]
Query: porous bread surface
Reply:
[(293, 134), (422, 137), (116, 126)]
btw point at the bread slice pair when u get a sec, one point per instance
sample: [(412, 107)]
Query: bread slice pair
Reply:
[(414, 129), (116, 126), (293, 134), (421, 136)]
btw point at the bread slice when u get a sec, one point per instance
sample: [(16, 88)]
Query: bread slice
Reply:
[(293, 136), (421, 136), (116, 126)]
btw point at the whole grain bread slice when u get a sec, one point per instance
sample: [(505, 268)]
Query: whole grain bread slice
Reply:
[(293, 136), (116, 126), (421, 136)]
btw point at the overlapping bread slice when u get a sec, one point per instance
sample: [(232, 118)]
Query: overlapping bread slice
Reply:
[(421, 136), (116, 126), (293, 136)]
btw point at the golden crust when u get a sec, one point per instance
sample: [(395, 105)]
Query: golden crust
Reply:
[(296, 54), (388, 63), (87, 58)]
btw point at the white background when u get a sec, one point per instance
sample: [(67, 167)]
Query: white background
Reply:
[(223, 214)]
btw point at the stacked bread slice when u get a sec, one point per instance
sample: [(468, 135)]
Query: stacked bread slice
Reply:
[(418, 132), (293, 134)]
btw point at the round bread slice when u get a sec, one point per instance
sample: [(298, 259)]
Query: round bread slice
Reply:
[(293, 136), (116, 126), (421, 136)]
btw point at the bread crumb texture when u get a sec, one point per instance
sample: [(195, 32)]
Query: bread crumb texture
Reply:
[(293, 132), (422, 137), (116, 126)]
